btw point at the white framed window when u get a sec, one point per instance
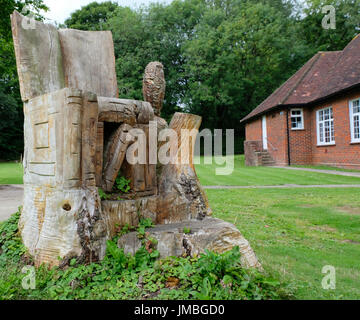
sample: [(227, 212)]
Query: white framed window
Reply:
[(325, 127), (297, 119), (355, 120)]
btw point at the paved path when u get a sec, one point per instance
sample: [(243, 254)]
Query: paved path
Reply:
[(11, 197), (285, 186), (335, 172)]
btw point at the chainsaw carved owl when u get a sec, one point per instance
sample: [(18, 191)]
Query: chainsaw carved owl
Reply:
[(154, 86)]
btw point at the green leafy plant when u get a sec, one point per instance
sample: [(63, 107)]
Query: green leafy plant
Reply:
[(143, 225), (103, 195), (141, 276), (122, 184), (187, 230)]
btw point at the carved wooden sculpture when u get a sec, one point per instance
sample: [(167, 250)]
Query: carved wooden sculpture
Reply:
[(154, 86), (77, 133)]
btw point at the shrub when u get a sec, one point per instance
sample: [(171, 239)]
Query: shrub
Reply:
[(123, 276)]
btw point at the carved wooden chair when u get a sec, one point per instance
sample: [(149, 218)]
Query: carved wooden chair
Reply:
[(76, 137)]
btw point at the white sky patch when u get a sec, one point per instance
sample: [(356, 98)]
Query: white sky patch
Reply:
[(61, 10)]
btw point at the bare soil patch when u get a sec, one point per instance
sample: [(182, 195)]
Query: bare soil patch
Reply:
[(350, 241), (323, 228), (348, 209)]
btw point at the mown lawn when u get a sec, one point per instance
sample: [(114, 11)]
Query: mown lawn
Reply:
[(295, 233), (11, 173), (262, 176)]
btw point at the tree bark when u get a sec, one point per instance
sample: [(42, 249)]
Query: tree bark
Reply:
[(181, 196)]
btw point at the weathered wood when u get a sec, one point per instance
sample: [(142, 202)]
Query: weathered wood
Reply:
[(210, 234), (145, 112), (61, 214), (89, 61), (38, 57), (139, 177), (149, 169), (154, 86), (161, 125), (115, 153), (117, 214), (99, 153), (142, 176), (89, 140), (49, 59), (186, 127), (117, 110), (181, 196), (125, 111), (71, 137), (136, 174)]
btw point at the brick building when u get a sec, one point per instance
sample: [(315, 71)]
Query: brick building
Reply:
[(313, 118)]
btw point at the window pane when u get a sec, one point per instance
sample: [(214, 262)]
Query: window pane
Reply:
[(332, 135), (321, 132), (327, 131), (296, 119), (356, 106), (357, 127), (326, 126), (326, 114)]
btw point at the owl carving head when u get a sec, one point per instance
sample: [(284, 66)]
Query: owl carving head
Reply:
[(154, 86)]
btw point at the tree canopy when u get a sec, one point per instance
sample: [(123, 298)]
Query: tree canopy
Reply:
[(91, 17), (221, 57)]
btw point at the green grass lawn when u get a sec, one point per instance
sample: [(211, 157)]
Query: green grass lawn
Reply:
[(262, 176), (11, 173), (295, 233)]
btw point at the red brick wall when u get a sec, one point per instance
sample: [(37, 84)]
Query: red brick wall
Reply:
[(300, 141), (253, 130), (343, 153), (277, 136), (276, 132)]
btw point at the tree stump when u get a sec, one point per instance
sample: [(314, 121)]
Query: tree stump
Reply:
[(181, 196)]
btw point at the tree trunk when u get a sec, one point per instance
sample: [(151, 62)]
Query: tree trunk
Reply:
[(181, 196)]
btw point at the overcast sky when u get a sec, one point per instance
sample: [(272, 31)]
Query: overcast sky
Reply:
[(60, 10)]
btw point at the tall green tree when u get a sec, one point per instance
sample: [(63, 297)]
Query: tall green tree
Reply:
[(93, 16), (347, 13), (131, 51), (157, 32), (236, 59), (171, 27)]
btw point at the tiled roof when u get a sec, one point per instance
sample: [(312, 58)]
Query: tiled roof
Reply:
[(323, 75)]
